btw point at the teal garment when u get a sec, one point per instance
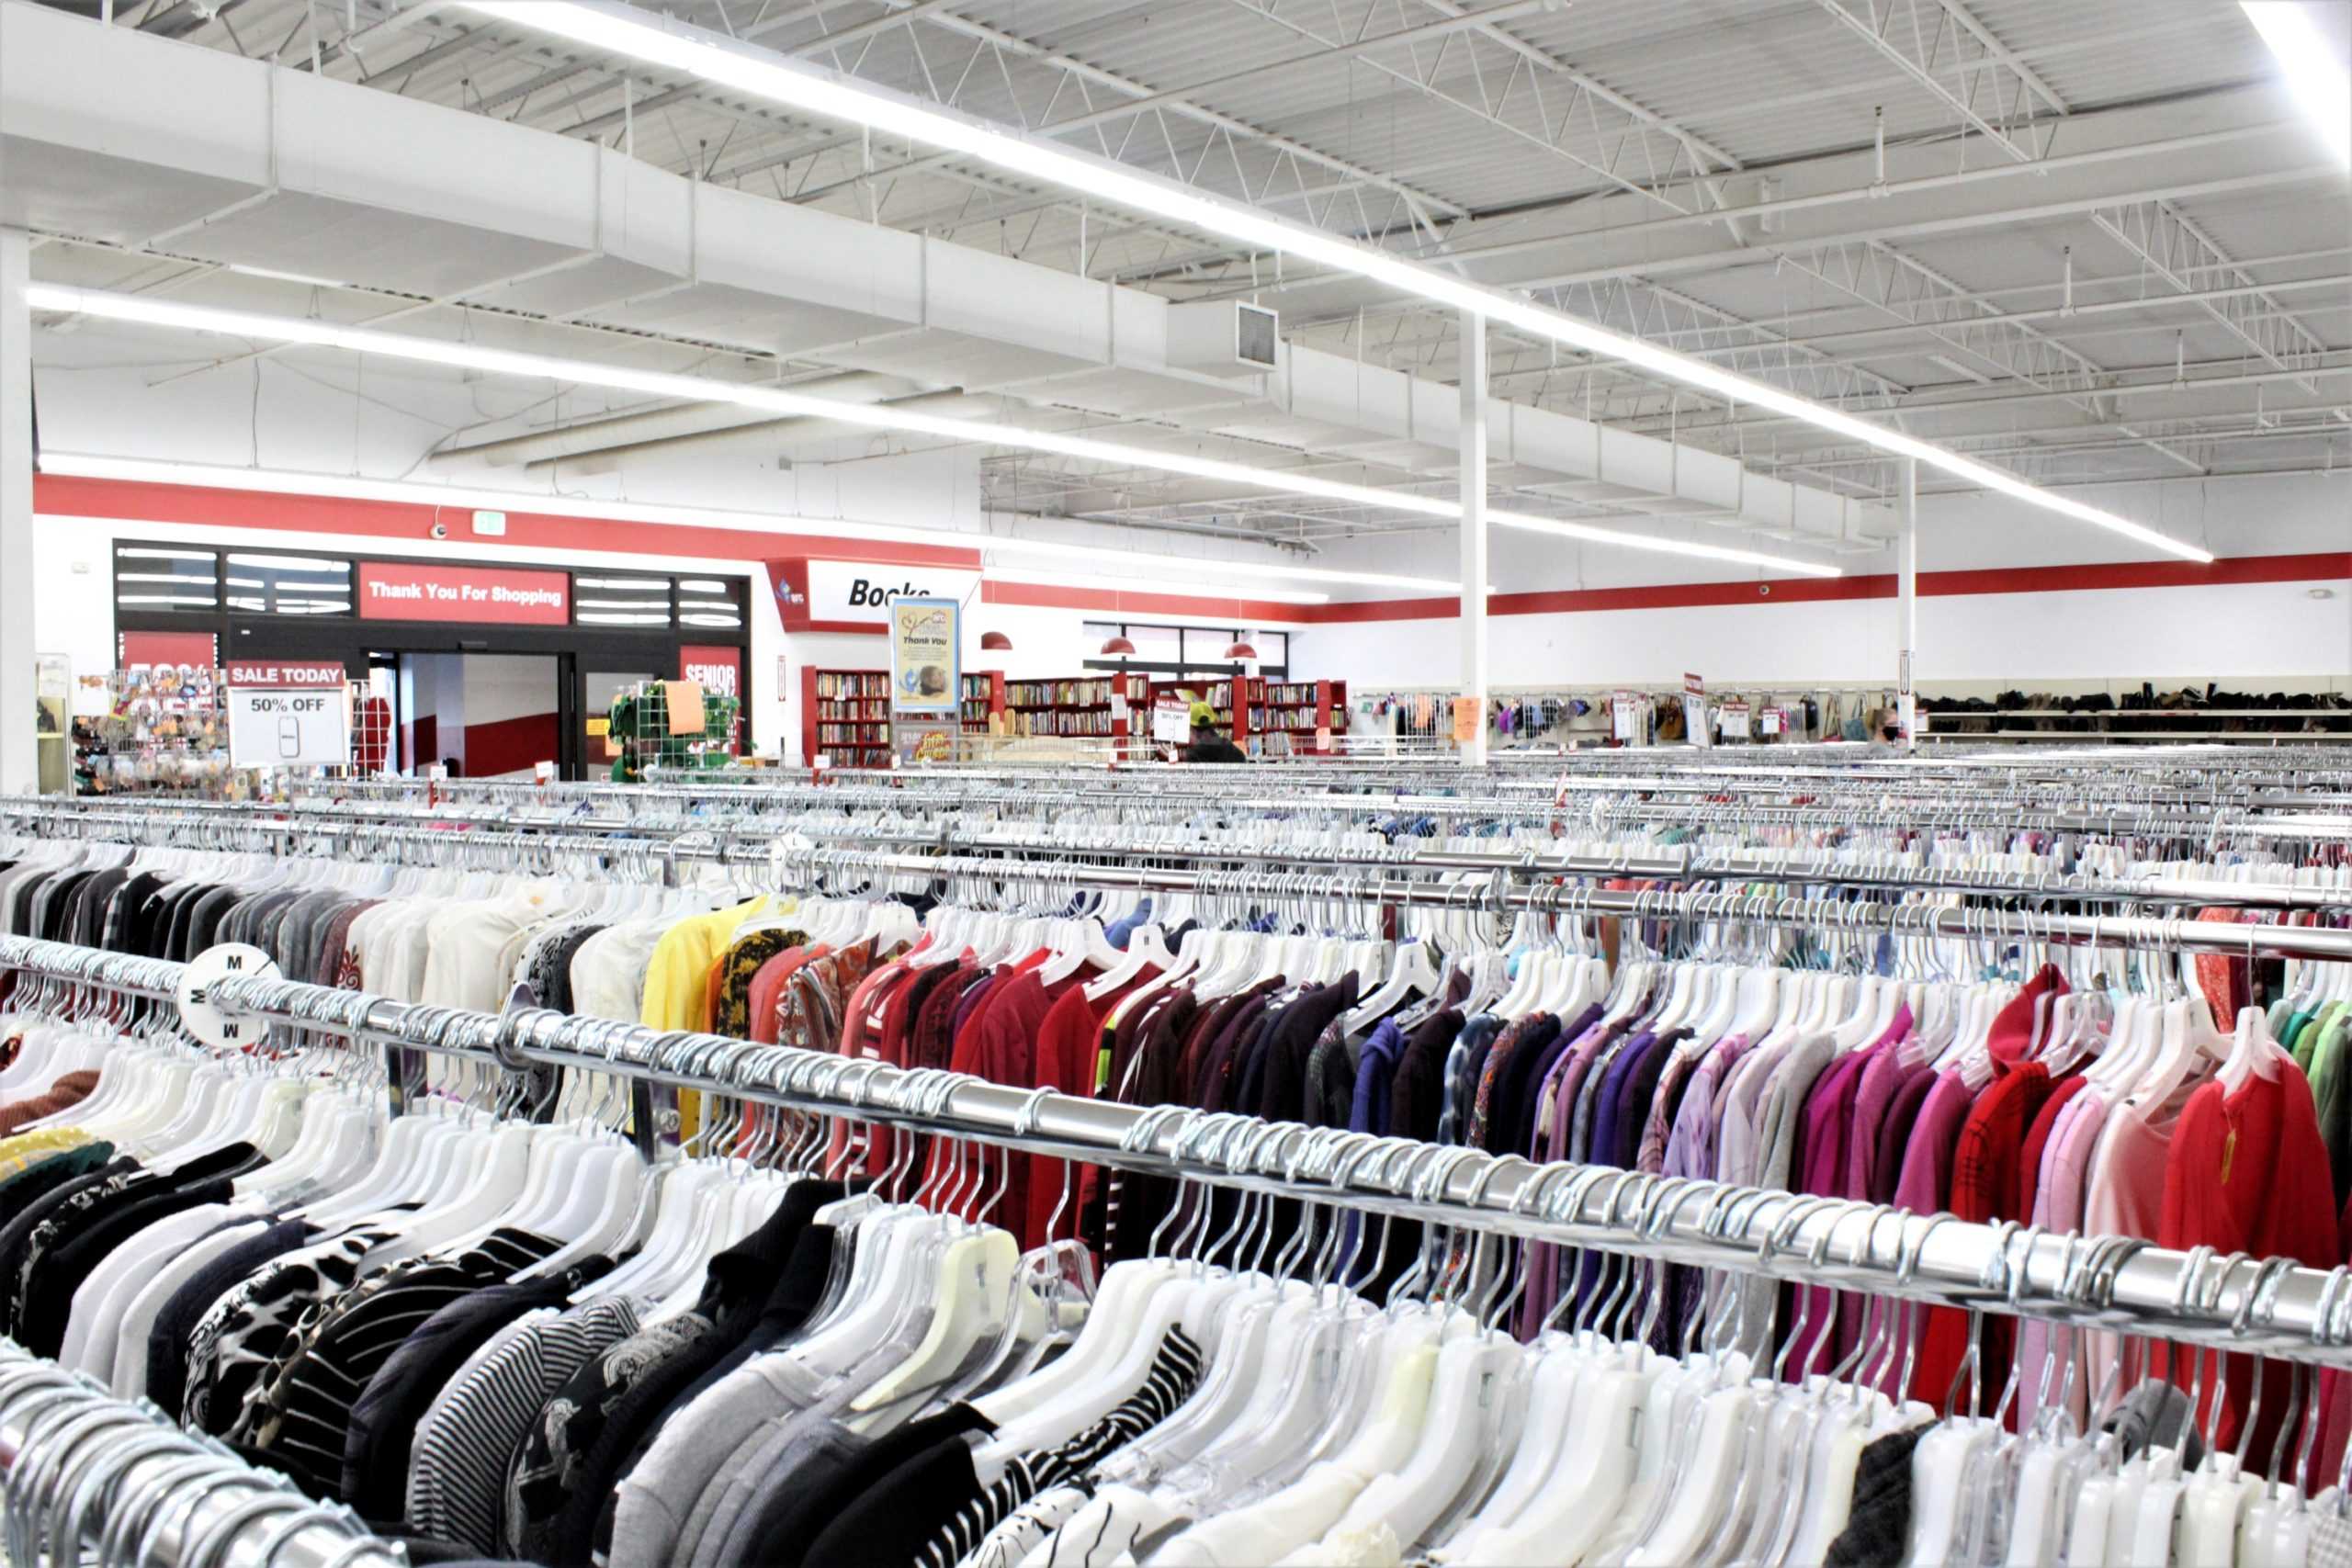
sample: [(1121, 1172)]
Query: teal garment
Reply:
[(2298, 1039)]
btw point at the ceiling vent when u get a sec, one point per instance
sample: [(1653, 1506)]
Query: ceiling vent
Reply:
[(1223, 337)]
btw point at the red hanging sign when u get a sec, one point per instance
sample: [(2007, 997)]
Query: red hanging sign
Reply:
[(283, 674), (393, 591), (713, 667)]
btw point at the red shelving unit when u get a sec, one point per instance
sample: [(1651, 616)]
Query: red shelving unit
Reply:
[(1076, 705), (1300, 710), (983, 697), (1239, 721), (846, 716)]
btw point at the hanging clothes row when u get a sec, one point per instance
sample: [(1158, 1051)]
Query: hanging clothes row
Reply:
[(774, 1358)]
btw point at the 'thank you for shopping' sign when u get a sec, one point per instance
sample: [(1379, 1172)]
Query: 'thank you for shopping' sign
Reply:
[(400, 591)]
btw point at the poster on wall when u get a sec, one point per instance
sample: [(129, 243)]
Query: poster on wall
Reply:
[(925, 655), (918, 740), (1629, 718)]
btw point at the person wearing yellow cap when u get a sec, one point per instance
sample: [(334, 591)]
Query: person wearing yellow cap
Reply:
[(1207, 745)]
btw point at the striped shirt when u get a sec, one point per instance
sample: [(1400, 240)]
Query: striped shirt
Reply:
[(467, 1442), (240, 1336), (1175, 1373), (300, 1415)]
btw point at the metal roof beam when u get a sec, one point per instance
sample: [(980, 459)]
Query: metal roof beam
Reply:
[(1928, 40), (1911, 291), (2184, 255), (1702, 150), (1626, 157), (1288, 153), (2007, 56)]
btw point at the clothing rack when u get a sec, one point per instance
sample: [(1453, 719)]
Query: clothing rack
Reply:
[(529, 844), (2198, 782), (2117, 1284), (84, 1470), (1686, 909), (2210, 827)]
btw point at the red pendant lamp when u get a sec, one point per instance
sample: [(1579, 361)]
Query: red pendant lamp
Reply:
[(995, 642), (1117, 648), (1242, 652)]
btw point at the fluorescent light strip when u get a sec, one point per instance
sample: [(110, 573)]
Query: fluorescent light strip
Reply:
[(2322, 87), (1561, 528), (664, 41), (151, 311), (1187, 588)]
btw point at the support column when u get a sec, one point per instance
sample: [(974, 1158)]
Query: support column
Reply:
[(19, 765), (1474, 526), (1906, 572)]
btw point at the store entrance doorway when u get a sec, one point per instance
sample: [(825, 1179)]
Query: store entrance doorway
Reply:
[(486, 716)]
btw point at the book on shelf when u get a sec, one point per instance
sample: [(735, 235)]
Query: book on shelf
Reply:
[(1093, 692)]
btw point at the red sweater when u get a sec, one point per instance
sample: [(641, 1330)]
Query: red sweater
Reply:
[(2247, 1172)]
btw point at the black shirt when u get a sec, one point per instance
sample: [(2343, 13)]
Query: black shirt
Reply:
[(788, 1517), (376, 1446), (60, 1268), (1215, 749), (175, 1326), (616, 1398)]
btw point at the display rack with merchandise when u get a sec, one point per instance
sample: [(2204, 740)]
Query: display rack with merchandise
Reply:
[(671, 724), (165, 726)]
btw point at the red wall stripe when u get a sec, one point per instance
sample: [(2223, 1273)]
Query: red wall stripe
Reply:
[(508, 745), (136, 500), (420, 742), (2326, 566)]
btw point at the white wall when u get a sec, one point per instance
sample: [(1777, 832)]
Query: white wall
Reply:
[(2264, 633), (104, 389)]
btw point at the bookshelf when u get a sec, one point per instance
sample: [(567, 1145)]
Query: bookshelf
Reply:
[(845, 715), (1076, 706), (1290, 714), (981, 698), (1240, 723)]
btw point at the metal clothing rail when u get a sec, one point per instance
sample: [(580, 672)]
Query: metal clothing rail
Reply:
[(85, 1472), (2241, 940), (2099, 769), (952, 791), (1451, 799), (2234, 1303), (743, 844)]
